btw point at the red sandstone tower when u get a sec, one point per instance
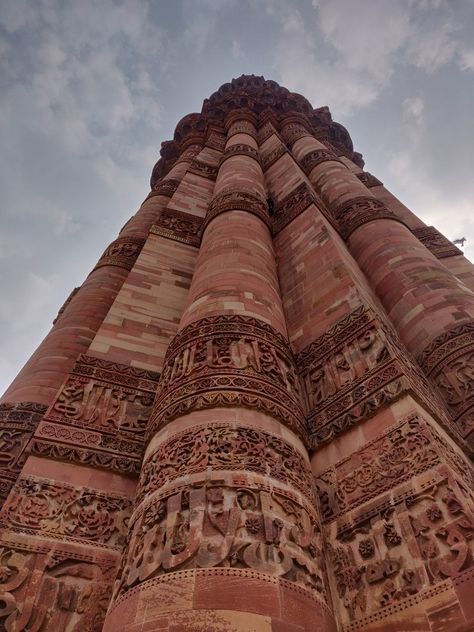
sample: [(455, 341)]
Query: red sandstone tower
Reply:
[(257, 412)]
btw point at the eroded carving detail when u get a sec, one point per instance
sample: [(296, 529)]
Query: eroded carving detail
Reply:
[(220, 524), (179, 226), (237, 201), (368, 179), (316, 157), (359, 211), (203, 169), (292, 205), (437, 243), (229, 360), (165, 187), (272, 156), (123, 252), (239, 149)]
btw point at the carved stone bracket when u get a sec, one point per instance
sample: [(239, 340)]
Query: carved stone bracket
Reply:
[(179, 226), (449, 362), (437, 243), (237, 201), (353, 370), (274, 155), (316, 157), (240, 149), (203, 169), (61, 511), (361, 210), (368, 179), (123, 252), (229, 361), (17, 424), (233, 523)]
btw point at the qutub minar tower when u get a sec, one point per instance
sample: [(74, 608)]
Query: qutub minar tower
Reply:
[(257, 412)]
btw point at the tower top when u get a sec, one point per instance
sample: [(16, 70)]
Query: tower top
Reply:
[(265, 101)]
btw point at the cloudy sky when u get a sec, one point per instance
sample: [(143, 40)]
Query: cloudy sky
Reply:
[(90, 88)]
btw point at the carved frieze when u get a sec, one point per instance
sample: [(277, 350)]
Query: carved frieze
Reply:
[(239, 200), (215, 140), (66, 512), (316, 157), (203, 169), (17, 424), (265, 132), (229, 360), (179, 226), (224, 524), (53, 590), (361, 210), (292, 132), (354, 369), (271, 157), (437, 243), (406, 546), (242, 127), (368, 179), (165, 187), (221, 446), (123, 252), (240, 149)]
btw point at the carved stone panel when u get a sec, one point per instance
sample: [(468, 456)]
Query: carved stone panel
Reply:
[(203, 169), (57, 510), (123, 252), (179, 226), (437, 243), (368, 179), (361, 210), (240, 200), (225, 523), (229, 361)]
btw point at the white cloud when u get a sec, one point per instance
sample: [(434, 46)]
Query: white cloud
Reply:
[(413, 108)]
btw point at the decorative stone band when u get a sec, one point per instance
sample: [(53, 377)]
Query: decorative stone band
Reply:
[(54, 586), (353, 370), (123, 252), (166, 188), (240, 149), (99, 416), (179, 226), (39, 506), (449, 362), (216, 141), (265, 132), (398, 509), (294, 204), (242, 127), (234, 522), (203, 169), (361, 210), (293, 132), (437, 243), (272, 157), (316, 157), (237, 201), (229, 360), (17, 425), (368, 179)]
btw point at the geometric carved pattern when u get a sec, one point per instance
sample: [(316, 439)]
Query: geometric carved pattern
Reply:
[(165, 187), (236, 525), (203, 169), (224, 447), (179, 226), (358, 211), (239, 149), (295, 203), (449, 362), (123, 252), (99, 416), (239, 200), (57, 510), (316, 157), (437, 243), (17, 424), (229, 361), (273, 156)]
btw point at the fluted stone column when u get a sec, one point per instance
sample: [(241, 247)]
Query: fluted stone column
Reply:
[(432, 310), (225, 531)]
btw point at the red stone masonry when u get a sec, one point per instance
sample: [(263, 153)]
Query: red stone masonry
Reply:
[(257, 412)]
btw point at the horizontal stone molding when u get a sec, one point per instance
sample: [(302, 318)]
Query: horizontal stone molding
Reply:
[(294, 204), (242, 127), (315, 158), (216, 141), (203, 169), (229, 360), (166, 188), (123, 252), (436, 243), (240, 149), (239, 200), (116, 373), (271, 157), (179, 226), (359, 211)]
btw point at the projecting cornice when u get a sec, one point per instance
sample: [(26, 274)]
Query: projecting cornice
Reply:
[(257, 99)]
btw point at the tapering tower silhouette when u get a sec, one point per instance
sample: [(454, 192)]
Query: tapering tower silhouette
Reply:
[(257, 411)]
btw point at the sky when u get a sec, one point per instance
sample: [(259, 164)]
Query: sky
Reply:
[(90, 88)]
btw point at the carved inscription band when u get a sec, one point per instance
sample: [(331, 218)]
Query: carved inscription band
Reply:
[(361, 210), (237, 201), (179, 226), (240, 149), (229, 361), (123, 252)]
